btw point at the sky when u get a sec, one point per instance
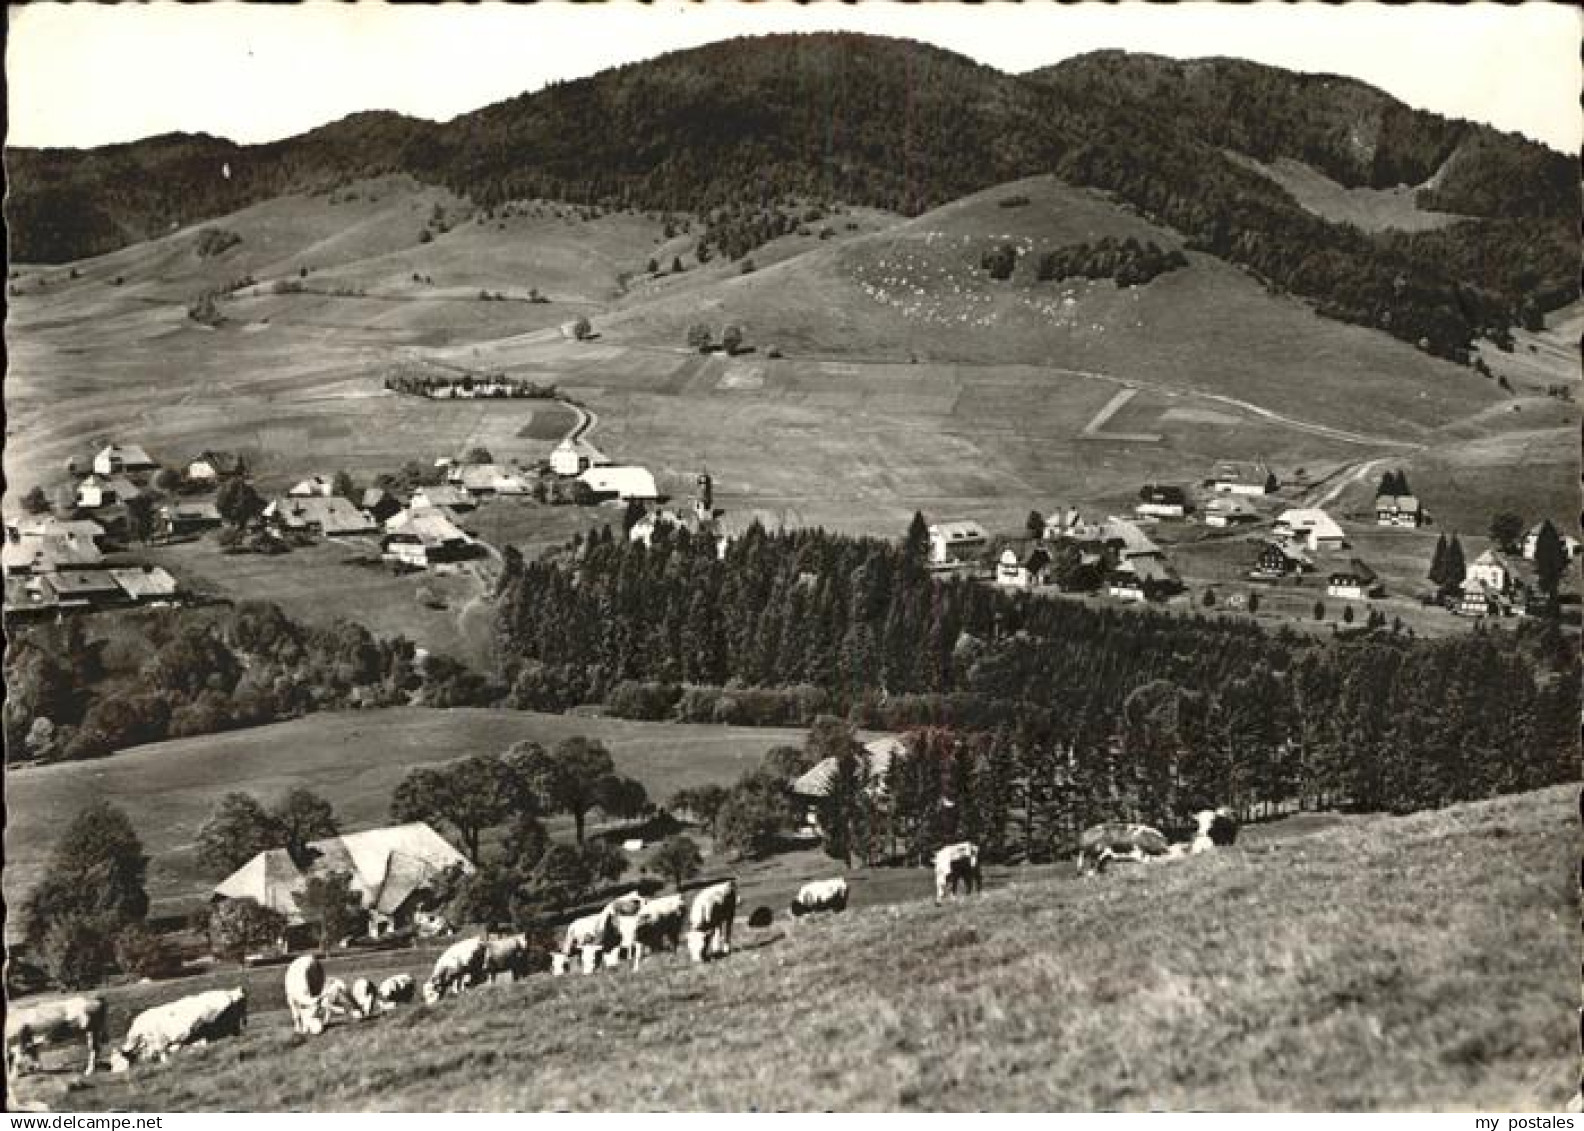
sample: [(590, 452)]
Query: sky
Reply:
[(92, 74)]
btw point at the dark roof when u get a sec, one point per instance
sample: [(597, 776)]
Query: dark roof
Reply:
[(1355, 570)]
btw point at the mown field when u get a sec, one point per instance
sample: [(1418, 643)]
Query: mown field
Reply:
[(353, 759), (1423, 962)]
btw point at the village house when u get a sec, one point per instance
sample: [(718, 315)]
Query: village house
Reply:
[(1279, 558), (48, 526), (574, 457), (957, 543), (81, 589), (809, 791), (1491, 570), (117, 459), (208, 467), (146, 585), (1143, 579), (393, 871), (1023, 567), (423, 537), (1398, 510), (183, 518), (49, 553), (1478, 598), (1068, 523), (1127, 541), (1570, 544), (445, 495), (98, 491), (1234, 478), (484, 480), (621, 483), (1358, 582), (331, 517), (315, 486), (1161, 501), (1229, 510), (1310, 527), (24, 595)]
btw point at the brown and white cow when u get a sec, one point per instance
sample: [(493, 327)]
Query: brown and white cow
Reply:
[(710, 921), (305, 991), (820, 896), (398, 988), (28, 1027), (189, 1022), (510, 955), (1105, 844), (957, 864)]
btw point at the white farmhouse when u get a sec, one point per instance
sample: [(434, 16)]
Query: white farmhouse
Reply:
[(573, 457), (1311, 528), (623, 483), (956, 543)]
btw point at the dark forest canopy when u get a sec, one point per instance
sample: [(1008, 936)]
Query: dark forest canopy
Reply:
[(1165, 713), (733, 131)]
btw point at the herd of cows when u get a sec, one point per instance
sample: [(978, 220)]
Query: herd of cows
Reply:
[(625, 930)]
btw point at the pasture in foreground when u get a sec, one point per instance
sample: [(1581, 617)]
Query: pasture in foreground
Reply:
[(1421, 962)]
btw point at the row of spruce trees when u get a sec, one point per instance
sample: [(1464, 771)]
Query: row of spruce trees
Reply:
[(1109, 711)]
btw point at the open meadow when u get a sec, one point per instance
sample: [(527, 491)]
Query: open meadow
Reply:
[(353, 759), (1332, 965)]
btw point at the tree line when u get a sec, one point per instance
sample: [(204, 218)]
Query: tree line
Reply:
[(820, 622), (79, 693)]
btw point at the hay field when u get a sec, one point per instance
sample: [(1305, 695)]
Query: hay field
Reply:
[(1425, 962)]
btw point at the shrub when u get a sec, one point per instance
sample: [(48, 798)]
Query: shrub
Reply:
[(215, 241), (239, 927), (677, 859), (76, 951), (141, 952)]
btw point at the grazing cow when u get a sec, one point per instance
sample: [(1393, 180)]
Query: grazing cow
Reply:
[(957, 864), (397, 988), (598, 929), (189, 1022), (1217, 828), (50, 1022), (657, 924), (305, 987), (1102, 845), (509, 955), (710, 921), (820, 895), (365, 998), (460, 967)]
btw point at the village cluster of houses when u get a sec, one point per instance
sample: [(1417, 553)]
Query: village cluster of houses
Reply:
[(1135, 567), (56, 565)]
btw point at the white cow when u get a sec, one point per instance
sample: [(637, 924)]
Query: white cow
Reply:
[(710, 921), (305, 987), (50, 1022), (820, 895), (190, 1022), (460, 967), (397, 988), (656, 924), (598, 929), (957, 864)]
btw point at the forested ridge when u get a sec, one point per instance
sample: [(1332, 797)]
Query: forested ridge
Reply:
[(747, 127), (1136, 711)]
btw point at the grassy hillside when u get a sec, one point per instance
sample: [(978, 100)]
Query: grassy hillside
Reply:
[(1425, 962), (353, 759), (917, 291)]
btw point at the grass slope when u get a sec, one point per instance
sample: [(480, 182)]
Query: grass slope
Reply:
[(353, 759), (1425, 962), (1368, 209)]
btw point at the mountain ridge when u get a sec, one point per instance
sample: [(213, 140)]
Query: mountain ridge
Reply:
[(733, 131)]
